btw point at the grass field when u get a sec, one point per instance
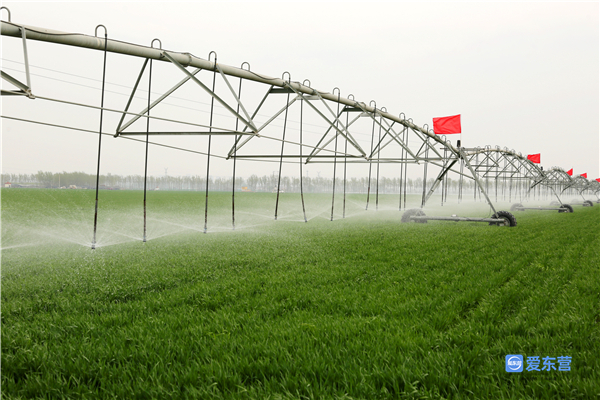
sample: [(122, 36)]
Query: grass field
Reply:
[(357, 308)]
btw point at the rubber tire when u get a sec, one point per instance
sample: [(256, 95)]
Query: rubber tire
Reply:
[(514, 207), (554, 203), (509, 219), (413, 212), (588, 203), (565, 208)]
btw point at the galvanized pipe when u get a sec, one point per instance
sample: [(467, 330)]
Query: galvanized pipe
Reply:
[(455, 219)]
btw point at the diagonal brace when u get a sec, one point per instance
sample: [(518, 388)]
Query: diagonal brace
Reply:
[(439, 178), (157, 101), (210, 92)]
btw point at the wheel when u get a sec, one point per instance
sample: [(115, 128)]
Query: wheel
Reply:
[(565, 208), (516, 207), (588, 203), (413, 212), (509, 219), (554, 203)]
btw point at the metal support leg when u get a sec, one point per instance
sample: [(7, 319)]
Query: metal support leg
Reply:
[(463, 155), (439, 179)]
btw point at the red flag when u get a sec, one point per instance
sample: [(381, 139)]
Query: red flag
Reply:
[(598, 179), (534, 158), (446, 125), (570, 172), (584, 175)]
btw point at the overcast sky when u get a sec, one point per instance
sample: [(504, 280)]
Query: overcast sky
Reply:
[(523, 75)]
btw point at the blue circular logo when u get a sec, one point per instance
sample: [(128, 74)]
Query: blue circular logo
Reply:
[(514, 363)]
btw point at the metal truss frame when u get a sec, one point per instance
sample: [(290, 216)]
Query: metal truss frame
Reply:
[(339, 115)]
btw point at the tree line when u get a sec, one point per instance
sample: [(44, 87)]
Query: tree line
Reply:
[(254, 183)]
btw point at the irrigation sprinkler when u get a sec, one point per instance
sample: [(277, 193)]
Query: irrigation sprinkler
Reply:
[(467, 156), (561, 183), (580, 185), (594, 189), (392, 139), (554, 180)]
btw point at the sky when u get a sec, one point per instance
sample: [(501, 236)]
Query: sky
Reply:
[(523, 75)]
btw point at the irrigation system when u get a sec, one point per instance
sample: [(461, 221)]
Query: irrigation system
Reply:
[(351, 131)]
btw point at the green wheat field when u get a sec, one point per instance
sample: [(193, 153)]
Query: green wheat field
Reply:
[(361, 307)]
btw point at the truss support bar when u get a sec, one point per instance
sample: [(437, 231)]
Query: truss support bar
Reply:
[(236, 98), (456, 219), (318, 148), (137, 82), (26, 58), (13, 93), (277, 114), (476, 178), (352, 109), (155, 102), (439, 178), (360, 160), (15, 82), (394, 137), (210, 92), (342, 130), (171, 133), (539, 208), (237, 145), (281, 90), (292, 156), (541, 182)]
